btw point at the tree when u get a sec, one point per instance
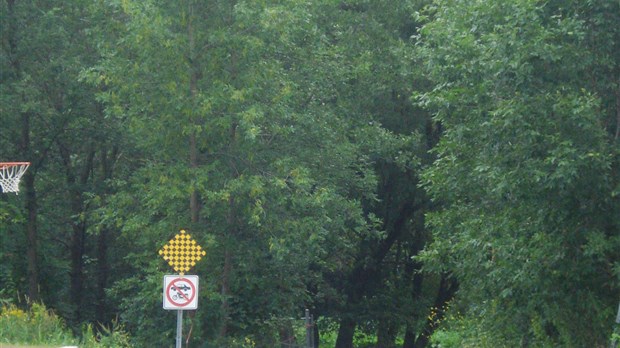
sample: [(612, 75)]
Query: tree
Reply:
[(226, 109), (54, 121), (527, 167)]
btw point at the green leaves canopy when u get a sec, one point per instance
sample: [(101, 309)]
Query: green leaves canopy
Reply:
[(527, 169), (281, 168)]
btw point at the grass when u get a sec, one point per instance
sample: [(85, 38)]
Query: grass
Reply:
[(3, 345)]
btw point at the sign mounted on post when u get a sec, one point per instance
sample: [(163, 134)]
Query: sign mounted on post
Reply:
[(180, 292), (182, 252)]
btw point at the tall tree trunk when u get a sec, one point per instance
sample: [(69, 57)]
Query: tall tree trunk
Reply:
[(103, 271), (103, 266), (409, 340), (232, 228), (386, 334), (317, 334), (31, 230), (412, 271), (29, 177), (31, 208), (345, 333), (77, 269), (447, 289), (416, 294), (77, 245), (194, 203), (232, 213), (225, 292), (193, 85), (78, 238), (617, 136)]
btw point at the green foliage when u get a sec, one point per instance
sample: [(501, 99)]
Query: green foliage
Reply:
[(526, 166), (459, 331), (281, 169), (291, 125), (112, 337), (40, 326), (36, 326)]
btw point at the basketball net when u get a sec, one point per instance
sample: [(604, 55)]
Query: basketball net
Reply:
[(10, 174)]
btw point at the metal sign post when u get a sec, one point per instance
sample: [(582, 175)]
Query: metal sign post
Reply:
[(181, 292), (179, 339), (309, 323)]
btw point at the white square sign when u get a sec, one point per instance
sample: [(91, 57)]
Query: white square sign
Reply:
[(180, 292)]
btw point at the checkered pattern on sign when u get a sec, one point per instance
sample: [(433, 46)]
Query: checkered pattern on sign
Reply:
[(182, 252)]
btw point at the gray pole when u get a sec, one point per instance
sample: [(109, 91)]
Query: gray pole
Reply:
[(312, 343), (308, 322), (179, 329)]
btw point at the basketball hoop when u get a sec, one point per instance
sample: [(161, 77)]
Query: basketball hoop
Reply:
[(10, 173)]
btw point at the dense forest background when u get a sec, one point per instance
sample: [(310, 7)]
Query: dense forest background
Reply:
[(405, 169)]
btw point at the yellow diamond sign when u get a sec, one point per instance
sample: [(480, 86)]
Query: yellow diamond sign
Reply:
[(182, 252)]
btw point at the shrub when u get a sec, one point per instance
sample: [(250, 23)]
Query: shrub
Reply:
[(113, 337), (40, 326), (35, 326)]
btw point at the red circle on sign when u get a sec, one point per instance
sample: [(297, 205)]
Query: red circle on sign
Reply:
[(182, 295)]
